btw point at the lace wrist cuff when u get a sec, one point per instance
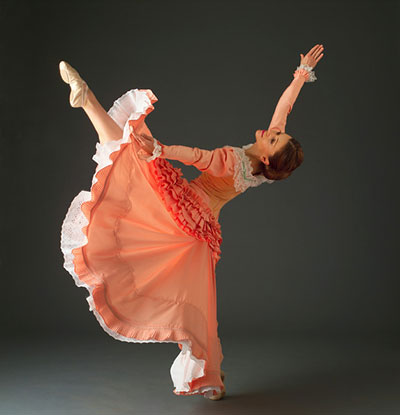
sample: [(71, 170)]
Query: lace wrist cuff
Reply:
[(156, 151), (311, 74)]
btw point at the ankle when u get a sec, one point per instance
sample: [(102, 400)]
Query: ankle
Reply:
[(89, 100)]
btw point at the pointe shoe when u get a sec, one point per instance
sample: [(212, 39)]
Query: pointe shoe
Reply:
[(79, 87), (220, 395)]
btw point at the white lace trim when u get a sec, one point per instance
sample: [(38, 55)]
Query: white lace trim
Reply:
[(129, 106), (312, 76), (243, 177), (185, 367), (156, 151)]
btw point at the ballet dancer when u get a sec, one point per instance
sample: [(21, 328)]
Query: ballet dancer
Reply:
[(145, 242)]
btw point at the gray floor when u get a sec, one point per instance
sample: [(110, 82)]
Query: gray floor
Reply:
[(282, 374)]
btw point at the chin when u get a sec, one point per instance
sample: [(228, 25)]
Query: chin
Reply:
[(257, 134)]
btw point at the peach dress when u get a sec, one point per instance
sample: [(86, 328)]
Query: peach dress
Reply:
[(145, 242)]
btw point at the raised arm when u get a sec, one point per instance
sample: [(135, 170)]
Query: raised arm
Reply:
[(302, 74)]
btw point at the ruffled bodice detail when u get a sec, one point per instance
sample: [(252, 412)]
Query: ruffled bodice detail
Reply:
[(189, 210)]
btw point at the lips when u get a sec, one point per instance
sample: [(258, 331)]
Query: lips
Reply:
[(262, 132)]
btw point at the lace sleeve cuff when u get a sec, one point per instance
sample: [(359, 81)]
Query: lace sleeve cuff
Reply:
[(306, 70), (156, 151)]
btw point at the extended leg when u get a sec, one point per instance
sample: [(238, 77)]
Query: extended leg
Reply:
[(82, 96), (105, 126)]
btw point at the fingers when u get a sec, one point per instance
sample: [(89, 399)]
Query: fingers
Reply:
[(143, 137), (136, 134), (147, 136), (312, 50), (315, 51), (318, 51), (139, 139), (318, 55), (145, 142)]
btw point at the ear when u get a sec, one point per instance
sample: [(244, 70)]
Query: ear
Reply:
[(265, 160)]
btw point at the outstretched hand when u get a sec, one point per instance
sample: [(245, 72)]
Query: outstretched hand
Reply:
[(313, 56), (146, 143)]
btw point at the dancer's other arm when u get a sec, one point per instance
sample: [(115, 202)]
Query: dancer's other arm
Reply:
[(217, 162), (289, 96)]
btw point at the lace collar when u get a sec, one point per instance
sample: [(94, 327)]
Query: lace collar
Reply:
[(243, 177)]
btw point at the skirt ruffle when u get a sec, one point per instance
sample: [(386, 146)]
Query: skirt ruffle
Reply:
[(145, 246)]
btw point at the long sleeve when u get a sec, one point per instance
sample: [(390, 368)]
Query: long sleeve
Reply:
[(288, 98), (218, 162)]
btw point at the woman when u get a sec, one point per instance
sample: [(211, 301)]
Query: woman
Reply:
[(145, 242)]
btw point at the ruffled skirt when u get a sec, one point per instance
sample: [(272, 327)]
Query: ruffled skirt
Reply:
[(145, 245)]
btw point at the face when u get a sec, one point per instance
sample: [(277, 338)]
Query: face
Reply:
[(270, 142)]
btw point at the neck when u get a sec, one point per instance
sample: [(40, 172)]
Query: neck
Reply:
[(253, 154)]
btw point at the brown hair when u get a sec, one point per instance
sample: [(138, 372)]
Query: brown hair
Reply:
[(282, 163)]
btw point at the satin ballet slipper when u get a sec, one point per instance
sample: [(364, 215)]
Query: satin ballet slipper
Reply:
[(220, 395), (79, 87)]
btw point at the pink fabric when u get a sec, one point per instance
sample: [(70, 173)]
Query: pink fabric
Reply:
[(215, 184), (189, 210), (149, 261), (218, 191)]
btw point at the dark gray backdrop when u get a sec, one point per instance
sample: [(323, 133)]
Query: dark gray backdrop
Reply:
[(315, 253)]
